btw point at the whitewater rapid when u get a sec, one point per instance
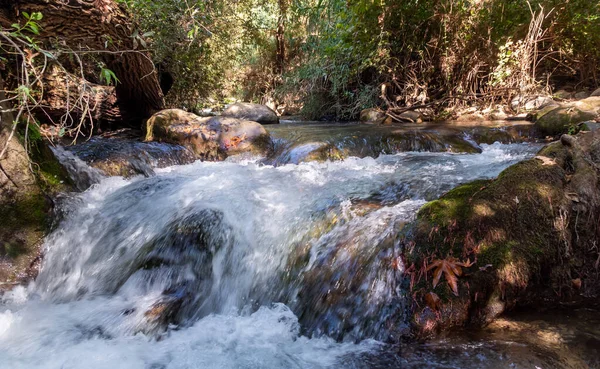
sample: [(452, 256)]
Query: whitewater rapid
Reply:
[(88, 306)]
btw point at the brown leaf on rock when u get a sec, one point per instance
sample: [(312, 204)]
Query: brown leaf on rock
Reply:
[(432, 300), (451, 269)]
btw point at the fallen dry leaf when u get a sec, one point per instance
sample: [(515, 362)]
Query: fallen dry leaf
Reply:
[(451, 268), (432, 300)]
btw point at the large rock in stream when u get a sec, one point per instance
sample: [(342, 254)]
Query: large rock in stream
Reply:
[(558, 119), (211, 138), (254, 112), (532, 236), (128, 156)]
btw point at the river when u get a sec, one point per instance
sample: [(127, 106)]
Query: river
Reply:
[(250, 263)]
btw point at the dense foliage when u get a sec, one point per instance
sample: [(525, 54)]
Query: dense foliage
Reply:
[(333, 57)]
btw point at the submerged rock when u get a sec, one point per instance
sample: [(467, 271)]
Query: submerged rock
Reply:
[(529, 233), (181, 258), (511, 134), (213, 138), (311, 151), (254, 112), (305, 143), (348, 279)]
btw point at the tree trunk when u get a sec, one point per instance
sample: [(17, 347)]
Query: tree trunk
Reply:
[(280, 37), (70, 97), (99, 27)]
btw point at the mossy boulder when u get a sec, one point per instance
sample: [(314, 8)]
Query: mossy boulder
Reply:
[(25, 208), (563, 94), (253, 112), (24, 225), (562, 119), (528, 232), (26, 178), (52, 177), (211, 138)]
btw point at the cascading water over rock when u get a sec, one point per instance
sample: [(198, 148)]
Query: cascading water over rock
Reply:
[(232, 264)]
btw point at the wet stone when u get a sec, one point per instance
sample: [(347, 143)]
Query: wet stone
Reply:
[(129, 157)]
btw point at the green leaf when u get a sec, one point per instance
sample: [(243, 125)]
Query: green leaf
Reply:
[(33, 27), (108, 76)]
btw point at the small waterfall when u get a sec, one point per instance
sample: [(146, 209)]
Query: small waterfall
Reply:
[(295, 144), (204, 238), (82, 175), (231, 264)]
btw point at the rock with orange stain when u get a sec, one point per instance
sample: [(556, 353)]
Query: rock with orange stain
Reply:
[(212, 138)]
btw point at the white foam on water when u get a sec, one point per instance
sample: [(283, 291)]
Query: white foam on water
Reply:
[(75, 335), (86, 308)]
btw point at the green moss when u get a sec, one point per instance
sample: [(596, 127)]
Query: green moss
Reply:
[(324, 153), (453, 205), (29, 212), (51, 175), (497, 254), (553, 150), (24, 224), (562, 120), (506, 225), (262, 144)]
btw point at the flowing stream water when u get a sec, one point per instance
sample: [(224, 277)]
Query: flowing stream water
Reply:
[(247, 263)]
